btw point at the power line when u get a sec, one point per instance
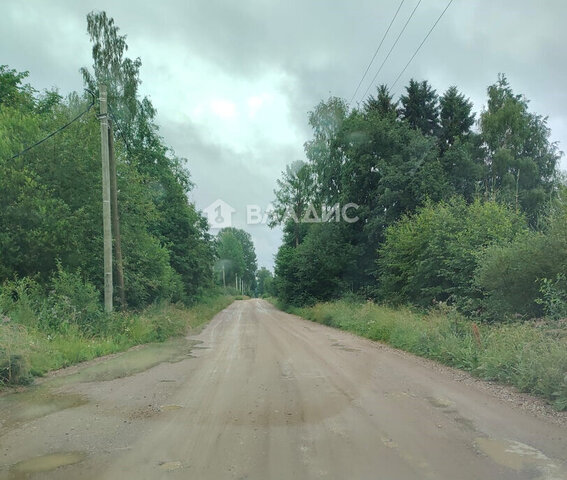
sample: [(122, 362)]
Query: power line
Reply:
[(59, 129), (118, 128), (392, 48), (421, 44), (376, 52)]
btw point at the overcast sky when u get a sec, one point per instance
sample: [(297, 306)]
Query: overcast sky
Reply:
[(233, 80)]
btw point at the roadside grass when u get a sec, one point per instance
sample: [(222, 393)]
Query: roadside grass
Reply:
[(27, 350), (531, 356)]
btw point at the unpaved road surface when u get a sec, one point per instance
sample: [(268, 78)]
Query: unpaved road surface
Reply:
[(267, 395)]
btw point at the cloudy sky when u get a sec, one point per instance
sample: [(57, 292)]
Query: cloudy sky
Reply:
[(233, 80)]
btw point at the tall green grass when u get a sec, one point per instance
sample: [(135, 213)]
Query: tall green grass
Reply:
[(28, 347), (530, 356)]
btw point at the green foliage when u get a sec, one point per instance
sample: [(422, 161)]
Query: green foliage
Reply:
[(432, 255), (264, 283), (554, 297), (383, 103), (456, 117), (51, 195), (521, 160), (394, 160), (66, 302), (420, 107), (525, 276), (294, 195), (237, 257), (313, 270)]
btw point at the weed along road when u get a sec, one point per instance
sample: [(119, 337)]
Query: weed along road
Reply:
[(260, 394)]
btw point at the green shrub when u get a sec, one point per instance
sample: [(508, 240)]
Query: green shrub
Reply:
[(554, 297), (432, 255), (525, 276), (71, 301)]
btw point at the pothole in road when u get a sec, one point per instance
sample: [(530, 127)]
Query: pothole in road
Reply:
[(38, 401), (46, 463), (170, 466), (133, 361), (440, 402), (170, 408), (520, 457), (340, 346)]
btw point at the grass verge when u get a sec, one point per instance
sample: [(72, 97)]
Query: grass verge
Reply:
[(27, 351), (529, 356)]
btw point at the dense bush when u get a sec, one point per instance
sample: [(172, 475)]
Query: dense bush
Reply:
[(432, 255), (312, 270), (525, 276)]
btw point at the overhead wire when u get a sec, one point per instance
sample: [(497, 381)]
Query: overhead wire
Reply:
[(377, 50), (63, 127), (392, 48), (421, 44)]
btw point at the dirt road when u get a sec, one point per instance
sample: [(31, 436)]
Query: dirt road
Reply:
[(267, 395)]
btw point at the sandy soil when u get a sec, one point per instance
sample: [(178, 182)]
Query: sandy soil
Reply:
[(267, 395)]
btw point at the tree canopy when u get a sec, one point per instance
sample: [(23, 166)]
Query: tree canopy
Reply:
[(433, 189)]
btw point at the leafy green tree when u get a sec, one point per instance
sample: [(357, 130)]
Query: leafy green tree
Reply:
[(236, 253), (456, 117), (294, 195), (264, 282), (326, 121), (14, 93), (313, 270), (520, 158), (420, 107), (178, 225), (383, 103), (51, 193), (464, 167)]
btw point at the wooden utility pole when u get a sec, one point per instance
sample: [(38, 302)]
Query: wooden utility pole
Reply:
[(223, 277), (236, 281), (106, 220), (116, 218)]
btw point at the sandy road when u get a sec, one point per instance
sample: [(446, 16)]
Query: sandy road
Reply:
[(270, 396)]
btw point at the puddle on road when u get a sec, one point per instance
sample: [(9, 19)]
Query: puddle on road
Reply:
[(133, 361), (38, 401), (520, 457), (45, 463), (35, 402)]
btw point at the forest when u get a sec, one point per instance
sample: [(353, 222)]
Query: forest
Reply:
[(454, 207), (51, 227)]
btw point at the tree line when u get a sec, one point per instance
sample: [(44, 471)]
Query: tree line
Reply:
[(453, 206), (51, 216)]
